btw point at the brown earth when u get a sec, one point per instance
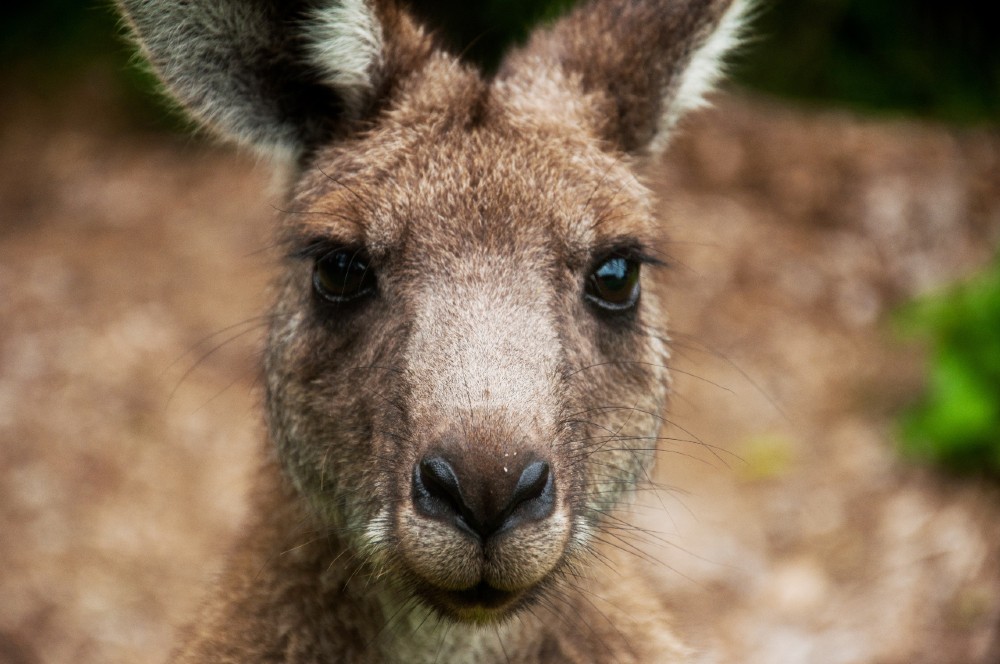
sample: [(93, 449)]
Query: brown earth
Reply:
[(133, 269)]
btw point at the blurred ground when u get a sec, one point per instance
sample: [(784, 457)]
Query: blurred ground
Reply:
[(133, 269)]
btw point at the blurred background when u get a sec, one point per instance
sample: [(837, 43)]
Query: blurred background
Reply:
[(836, 221)]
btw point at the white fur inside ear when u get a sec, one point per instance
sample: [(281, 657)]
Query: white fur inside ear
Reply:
[(702, 71), (345, 43)]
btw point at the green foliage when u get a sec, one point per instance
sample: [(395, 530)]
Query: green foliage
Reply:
[(483, 31), (957, 422), (50, 48), (55, 37), (923, 56)]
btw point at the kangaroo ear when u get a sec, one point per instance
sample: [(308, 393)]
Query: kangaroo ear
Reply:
[(631, 68), (274, 74)]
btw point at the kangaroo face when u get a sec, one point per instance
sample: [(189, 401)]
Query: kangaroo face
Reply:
[(461, 374), (464, 373)]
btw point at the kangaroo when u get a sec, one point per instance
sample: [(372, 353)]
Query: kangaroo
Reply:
[(466, 361)]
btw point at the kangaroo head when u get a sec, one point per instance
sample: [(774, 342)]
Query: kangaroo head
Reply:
[(464, 372)]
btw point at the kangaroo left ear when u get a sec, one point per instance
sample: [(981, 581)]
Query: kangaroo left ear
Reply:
[(281, 76), (629, 68)]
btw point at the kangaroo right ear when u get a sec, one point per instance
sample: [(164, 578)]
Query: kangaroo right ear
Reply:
[(278, 75), (628, 68)]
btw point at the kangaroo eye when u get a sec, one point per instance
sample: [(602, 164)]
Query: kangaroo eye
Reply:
[(344, 275), (614, 284)]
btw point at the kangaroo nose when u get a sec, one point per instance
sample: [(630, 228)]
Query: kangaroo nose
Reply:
[(482, 504)]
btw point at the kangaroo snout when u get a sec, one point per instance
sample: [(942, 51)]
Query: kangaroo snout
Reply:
[(484, 534), (487, 517)]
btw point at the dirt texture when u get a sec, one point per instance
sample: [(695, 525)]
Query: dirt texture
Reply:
[(134, 271)]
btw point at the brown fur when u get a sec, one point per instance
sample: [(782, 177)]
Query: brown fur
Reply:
[(483, 206)]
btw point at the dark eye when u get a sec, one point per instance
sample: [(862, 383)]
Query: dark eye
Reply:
[(614, 284), (344, 275)]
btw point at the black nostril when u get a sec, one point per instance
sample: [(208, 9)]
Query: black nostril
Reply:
[(437, 493), (533, 497), (531, 484), (439, 479)]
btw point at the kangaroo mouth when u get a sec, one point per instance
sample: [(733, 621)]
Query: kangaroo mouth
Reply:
[(480, 603), (482, 595)]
